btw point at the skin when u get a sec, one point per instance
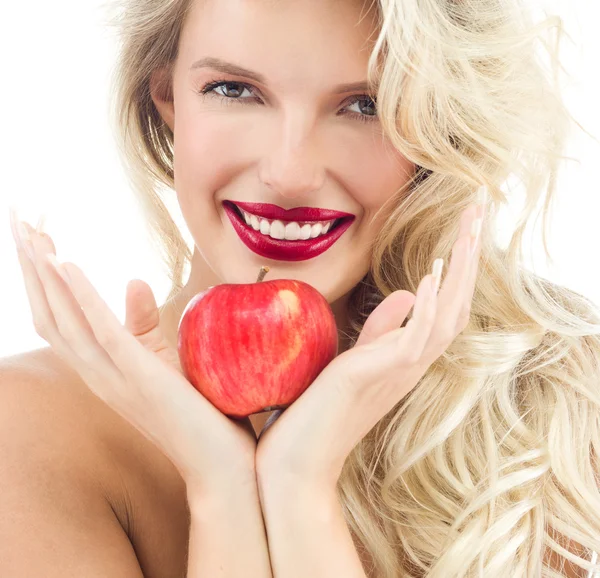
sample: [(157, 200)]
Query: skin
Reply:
[(291, 142)]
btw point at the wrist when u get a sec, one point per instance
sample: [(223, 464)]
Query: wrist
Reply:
[(228, 503), (283, 486), (281, 479), (218, 489), (294, 500)]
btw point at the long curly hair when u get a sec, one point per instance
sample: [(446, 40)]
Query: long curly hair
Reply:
[(509, 470)]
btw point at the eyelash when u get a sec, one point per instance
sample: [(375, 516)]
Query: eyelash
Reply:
[(208, 89)]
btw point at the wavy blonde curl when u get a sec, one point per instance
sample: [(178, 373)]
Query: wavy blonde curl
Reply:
[(488, 484)]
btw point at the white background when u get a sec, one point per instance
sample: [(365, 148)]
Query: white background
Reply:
[(58, 158)]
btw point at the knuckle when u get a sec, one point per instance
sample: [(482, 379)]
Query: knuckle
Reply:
[(87, 355), (106, 339), (69, 333), (444, 337), (42, 327), (463, 318)]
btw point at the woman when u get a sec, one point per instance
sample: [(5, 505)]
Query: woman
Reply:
[(463, 442)]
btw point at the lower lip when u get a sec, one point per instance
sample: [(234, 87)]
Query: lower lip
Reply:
[(280, 249)]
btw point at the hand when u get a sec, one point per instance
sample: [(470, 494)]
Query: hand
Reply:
[(309, 441), (134, 370)]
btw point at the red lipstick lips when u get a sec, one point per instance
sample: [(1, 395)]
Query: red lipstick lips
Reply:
[(282, 249)]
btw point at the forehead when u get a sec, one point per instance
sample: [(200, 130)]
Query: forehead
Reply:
[(294, 35)]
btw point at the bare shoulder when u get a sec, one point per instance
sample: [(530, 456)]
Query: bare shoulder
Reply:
[(41, 376), (90, 464), (48, 407)]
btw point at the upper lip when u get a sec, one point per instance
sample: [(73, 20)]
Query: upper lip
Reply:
[(273, 212)]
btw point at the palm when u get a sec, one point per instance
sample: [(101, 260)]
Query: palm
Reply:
[(382, 324), (146, 329)]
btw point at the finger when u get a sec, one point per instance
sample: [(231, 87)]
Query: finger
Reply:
[(141, 312), (56, 292), (142, 320), (393, 310), (388, 315), (144, 373), (451, 297), (133, 360), (42, 316), (89, 359), (452, 288), (415, 335)]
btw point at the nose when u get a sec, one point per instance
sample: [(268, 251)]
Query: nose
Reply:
[(294, 167)]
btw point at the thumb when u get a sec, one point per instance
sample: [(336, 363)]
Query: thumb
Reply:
[(388, 315), (142, 320), (141, 315)]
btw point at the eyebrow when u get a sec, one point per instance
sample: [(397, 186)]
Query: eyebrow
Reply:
[(236, 70)]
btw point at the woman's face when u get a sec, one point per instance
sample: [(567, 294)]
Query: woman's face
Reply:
[(288, 139)]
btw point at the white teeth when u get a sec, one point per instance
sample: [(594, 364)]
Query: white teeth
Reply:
[(265, 227), (305, 232), (277, 230), (316, 230), (290, 231)]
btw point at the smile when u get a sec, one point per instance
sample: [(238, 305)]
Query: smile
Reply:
[(289, 241)]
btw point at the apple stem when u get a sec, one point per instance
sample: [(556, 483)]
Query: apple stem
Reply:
[(261, 275)]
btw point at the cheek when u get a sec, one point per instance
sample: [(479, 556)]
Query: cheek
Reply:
[(203, 150), (375, 173)]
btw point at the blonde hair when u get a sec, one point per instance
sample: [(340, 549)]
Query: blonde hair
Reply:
[(483, 485)]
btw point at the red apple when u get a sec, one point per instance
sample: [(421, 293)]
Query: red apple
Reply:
[(255, 347)]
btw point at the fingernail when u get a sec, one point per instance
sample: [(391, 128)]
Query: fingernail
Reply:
[(438, 265)]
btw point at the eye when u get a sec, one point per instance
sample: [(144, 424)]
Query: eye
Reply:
[(364, 98), (233, 91)]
